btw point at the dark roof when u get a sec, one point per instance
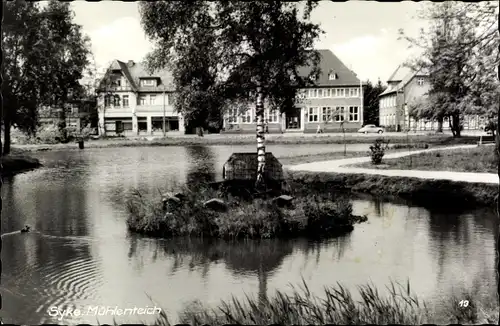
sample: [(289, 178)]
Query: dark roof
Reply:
[(134, 71), (329, 62)]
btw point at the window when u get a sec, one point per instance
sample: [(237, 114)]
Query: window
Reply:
[(147, 82), (233, 116), (127, 125), (320, 93), (125, 101), (118, 82), (313, 115), (312, 93), (327, 92), (107, 100), (340, 92), (271, 116), (327, 114), (353, 113), (354, 92), (142, 99), (152, 99), (116, 100), (247, 116), (332, 76), (339, 114), (420, 81)]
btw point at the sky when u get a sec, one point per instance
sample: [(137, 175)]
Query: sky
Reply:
[(363, 34)]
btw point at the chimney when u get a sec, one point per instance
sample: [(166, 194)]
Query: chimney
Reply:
[(130, 63)]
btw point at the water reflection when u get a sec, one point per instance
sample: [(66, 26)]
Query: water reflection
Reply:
[(202, 167), (83, 254)]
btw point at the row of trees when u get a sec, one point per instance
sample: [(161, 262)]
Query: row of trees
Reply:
[(45, 55), (460, 54)]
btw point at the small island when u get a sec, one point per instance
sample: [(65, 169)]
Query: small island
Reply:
[(233, 210)]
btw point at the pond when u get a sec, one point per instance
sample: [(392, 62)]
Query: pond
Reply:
[(82, 256)]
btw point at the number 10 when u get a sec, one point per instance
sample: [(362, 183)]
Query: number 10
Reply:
[(463, 303)]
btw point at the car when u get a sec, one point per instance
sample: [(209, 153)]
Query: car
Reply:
[(370, 129)]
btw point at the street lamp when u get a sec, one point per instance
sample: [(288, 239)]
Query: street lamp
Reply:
[(164, 131)]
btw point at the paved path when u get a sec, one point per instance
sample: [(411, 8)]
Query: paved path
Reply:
[(341, 166)]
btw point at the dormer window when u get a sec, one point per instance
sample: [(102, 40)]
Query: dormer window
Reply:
[(148, 82), (420, 81), (332, 76)]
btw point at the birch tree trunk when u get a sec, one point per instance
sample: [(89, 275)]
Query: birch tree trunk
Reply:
[(261, 148), (498, 157)]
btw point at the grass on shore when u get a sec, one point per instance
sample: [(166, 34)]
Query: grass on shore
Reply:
[(419, 191), (481, 159), (245, 139), (311, 216), (337, 306), (302, 159)]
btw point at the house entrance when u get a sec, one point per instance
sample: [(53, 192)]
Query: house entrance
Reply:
[(293, 119)]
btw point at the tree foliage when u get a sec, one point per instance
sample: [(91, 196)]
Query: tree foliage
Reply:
[(458, 53), (371, 102), (45, 53), (228, 54)]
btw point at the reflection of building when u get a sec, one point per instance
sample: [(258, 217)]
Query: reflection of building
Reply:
[(406, 86), (337, 97), (140, 104), (79, 114)]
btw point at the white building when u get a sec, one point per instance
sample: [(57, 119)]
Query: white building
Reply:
[(141, 102)]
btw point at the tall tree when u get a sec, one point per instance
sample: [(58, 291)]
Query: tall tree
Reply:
[(21, 40), (255, 51), (44, 56), (65, 58), (371, 102), (459, 38)]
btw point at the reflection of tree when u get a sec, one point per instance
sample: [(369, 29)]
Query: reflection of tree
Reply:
[(41, 263), (201, 165), (260, 258), (454, 232)]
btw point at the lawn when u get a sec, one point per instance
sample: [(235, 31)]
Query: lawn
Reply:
[(481, 159)]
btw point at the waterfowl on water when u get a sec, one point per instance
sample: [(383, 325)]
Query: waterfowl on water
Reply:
[(25, 229)]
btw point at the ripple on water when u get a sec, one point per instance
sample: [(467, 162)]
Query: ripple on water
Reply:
[(77, 279)]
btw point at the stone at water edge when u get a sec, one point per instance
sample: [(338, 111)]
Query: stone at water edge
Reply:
[(180, 195), (170, 202), (283, 201), (216, 205)]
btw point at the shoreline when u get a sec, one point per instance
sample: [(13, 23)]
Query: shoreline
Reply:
[(18, 163), (422, 192), (271, 139)]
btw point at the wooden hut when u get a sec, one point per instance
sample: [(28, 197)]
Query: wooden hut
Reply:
[(241, 168)]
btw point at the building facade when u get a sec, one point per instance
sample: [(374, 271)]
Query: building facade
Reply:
[(79, 114), (334, 102), (406, 86), (141, 103)]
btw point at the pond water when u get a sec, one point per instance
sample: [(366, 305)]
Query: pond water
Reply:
[(81, 255)]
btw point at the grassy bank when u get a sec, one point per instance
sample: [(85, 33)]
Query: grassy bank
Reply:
[(287, 139), (302, 159), (420, 191), (337, 306), (16, 163), (309, 215), (481, 159)]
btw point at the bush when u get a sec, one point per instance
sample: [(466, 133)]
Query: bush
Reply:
[(378, 151)]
